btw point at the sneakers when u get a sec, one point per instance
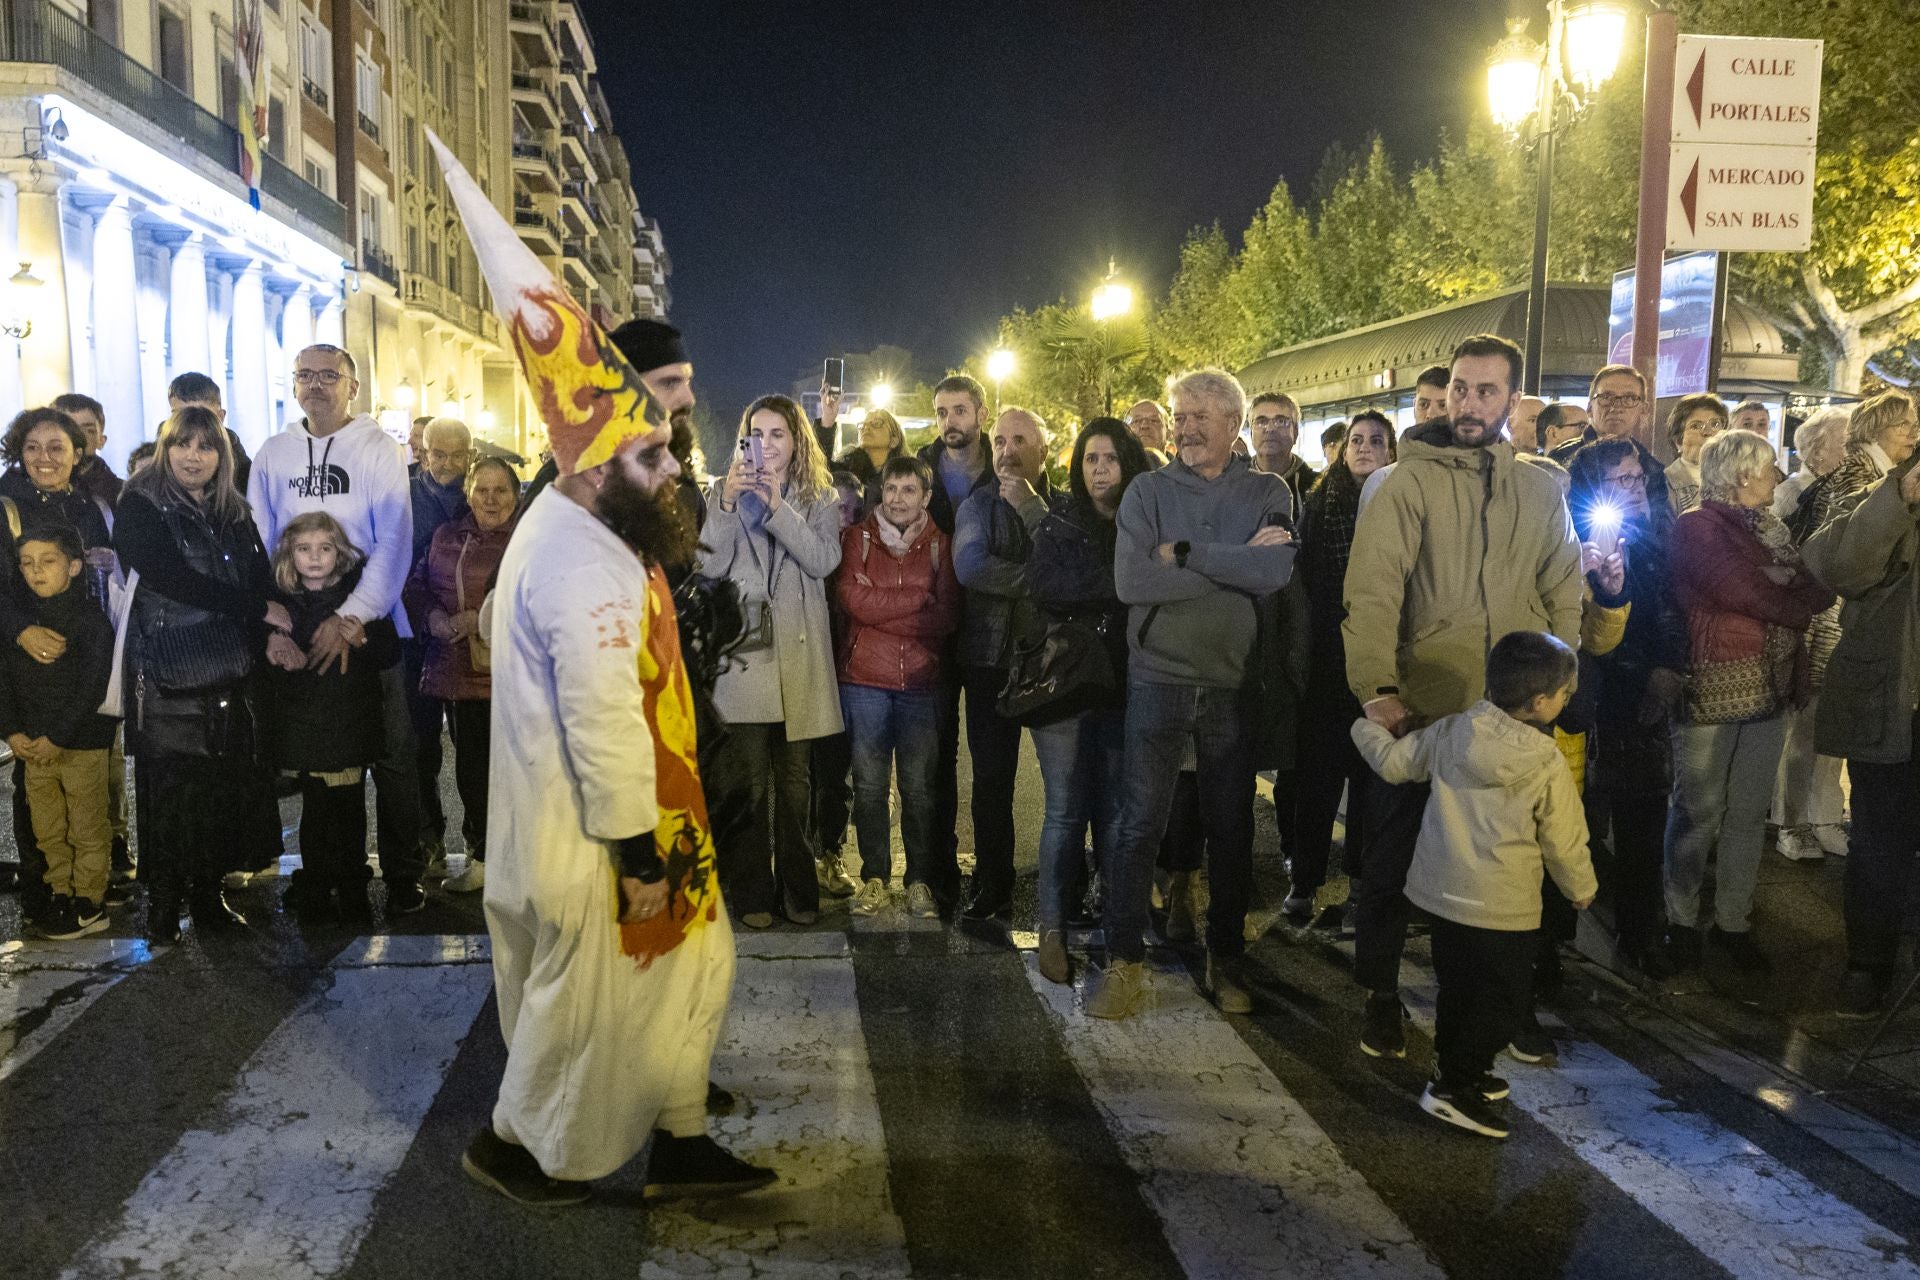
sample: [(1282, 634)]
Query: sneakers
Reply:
[(1054, 966), (1740, 948), (471, 879), (831, 871), (1384, 1034), (404, 897), (1798, 844), (1298, 910), (920, 903), (1532, 1045), (433, 852), (1180, 908), (1465, 1109), (1832, 838), (1492, 1087), (757, 919), (511, 1170), (119, 893), (1115, 991), (1863, 994), (699, 1167), (1223, 981), (872, 897), (988, 900), (73, 918)]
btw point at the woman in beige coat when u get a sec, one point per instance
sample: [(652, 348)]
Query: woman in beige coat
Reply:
[(773, 527)]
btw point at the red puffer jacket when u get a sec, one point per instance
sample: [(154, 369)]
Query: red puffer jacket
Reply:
[(897, 609)]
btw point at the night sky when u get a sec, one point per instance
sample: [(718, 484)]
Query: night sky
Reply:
[(833, 177)]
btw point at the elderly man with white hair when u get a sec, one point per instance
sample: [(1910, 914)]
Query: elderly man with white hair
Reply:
[(439, 492), (1198, 542)]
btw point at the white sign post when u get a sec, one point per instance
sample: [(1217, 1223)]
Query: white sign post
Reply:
[(1746, 115)]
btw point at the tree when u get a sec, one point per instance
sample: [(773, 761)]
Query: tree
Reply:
[(1200, 324)]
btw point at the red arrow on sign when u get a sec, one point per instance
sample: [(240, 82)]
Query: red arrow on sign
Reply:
[(1696, 87), (1689, 195)]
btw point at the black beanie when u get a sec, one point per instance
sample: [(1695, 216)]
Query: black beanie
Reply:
[(649, 344)]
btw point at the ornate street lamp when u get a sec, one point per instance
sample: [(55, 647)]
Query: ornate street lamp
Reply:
[(1527, 82), (1112, 299), (1000, 366), (24, 284)]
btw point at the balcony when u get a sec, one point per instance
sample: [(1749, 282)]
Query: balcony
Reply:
[(533, 162), (40, 31), (532, 32), (377, 262), (533, 96), (536, 228), (317, 94), (368, 125)]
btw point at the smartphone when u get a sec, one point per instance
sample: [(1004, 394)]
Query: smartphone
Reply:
[(752, 453), (833, 373)]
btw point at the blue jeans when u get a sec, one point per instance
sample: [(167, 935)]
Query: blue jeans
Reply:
[(1081, 759), (889, 727), (1162, 719)]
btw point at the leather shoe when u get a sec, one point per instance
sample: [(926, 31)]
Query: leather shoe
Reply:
[(211, 914), (1223, 983), (988, 902)]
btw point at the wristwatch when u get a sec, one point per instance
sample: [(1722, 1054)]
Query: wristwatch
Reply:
[(1180, 550)]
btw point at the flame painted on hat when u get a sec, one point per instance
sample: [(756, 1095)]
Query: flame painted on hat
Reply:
[(589, 397)]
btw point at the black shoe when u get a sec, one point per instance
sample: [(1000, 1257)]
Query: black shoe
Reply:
[(1385, 1034), (163, 917), (987, 902), (1463, 1108), (1740, 948), (1863, 994), (1492, 1087), (1648, 957), (699, 1167), (79, 918), (57, 919), (1683, 947), (719, 1100), (404, 897), (119, 893), (1330, 918), (310, 898), (121, 862), (9, 877), (1532, 1045), (211, 914), (497, 1164)]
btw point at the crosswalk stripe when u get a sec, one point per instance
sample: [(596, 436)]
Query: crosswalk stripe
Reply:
[(796, 1058), (1245, 1183), (45, 988), (282, 1181), (1729, 1199)]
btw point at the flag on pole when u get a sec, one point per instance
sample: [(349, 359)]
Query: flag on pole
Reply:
[(250, 102), (589, 397)]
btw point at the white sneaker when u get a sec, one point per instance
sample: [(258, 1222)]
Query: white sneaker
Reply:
[(471, 880), (1832, 838), (1797, 844), (235, 879), (872, 897), (920, 903)]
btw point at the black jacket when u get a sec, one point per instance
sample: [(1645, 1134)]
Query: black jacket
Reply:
[(59, 700), (942, 508), (323, 723), (1070, 575)]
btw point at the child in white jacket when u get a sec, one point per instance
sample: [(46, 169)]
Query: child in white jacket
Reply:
[(1503, 805)]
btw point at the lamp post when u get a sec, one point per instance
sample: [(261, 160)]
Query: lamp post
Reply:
[(1112, 299), (1526, 81), (1000, 366), (880, 395)]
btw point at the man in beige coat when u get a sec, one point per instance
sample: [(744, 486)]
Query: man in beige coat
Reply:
[(1461, 546)]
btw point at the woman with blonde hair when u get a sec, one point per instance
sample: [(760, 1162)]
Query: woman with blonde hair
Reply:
[(773, 528)]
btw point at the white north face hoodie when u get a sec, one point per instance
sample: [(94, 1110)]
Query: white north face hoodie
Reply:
[(357, 475)]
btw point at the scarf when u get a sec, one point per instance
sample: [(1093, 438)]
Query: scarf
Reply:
[(900, 541)]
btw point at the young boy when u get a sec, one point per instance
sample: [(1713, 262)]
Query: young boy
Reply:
[(49, 716), (1503, 805)]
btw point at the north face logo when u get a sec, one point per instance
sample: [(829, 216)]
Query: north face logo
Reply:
[(329, 481)]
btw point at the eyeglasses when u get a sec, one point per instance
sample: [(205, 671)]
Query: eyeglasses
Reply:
[(325, 377), (1290, 423), (1608, 400), (1635, 480)]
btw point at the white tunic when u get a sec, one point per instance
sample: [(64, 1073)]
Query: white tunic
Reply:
[(603, 1046)]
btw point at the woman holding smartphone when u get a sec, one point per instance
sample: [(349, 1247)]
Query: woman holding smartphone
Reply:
[(773, 527)]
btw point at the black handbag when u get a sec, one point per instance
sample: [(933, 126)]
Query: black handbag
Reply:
[(195, 655), (1062, 671)]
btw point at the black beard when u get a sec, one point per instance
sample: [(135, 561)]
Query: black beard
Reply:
[(653, 524)]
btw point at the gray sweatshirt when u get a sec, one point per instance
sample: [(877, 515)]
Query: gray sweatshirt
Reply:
[(1196, 625)]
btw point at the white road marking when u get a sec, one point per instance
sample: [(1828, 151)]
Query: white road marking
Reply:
[(282, 1180), (1752, 1214), (1244, 1182), (796, 1059), (46, 986)]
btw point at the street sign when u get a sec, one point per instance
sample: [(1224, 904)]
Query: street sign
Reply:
[(1740, 199), (1746, 115), (1738, 89)]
